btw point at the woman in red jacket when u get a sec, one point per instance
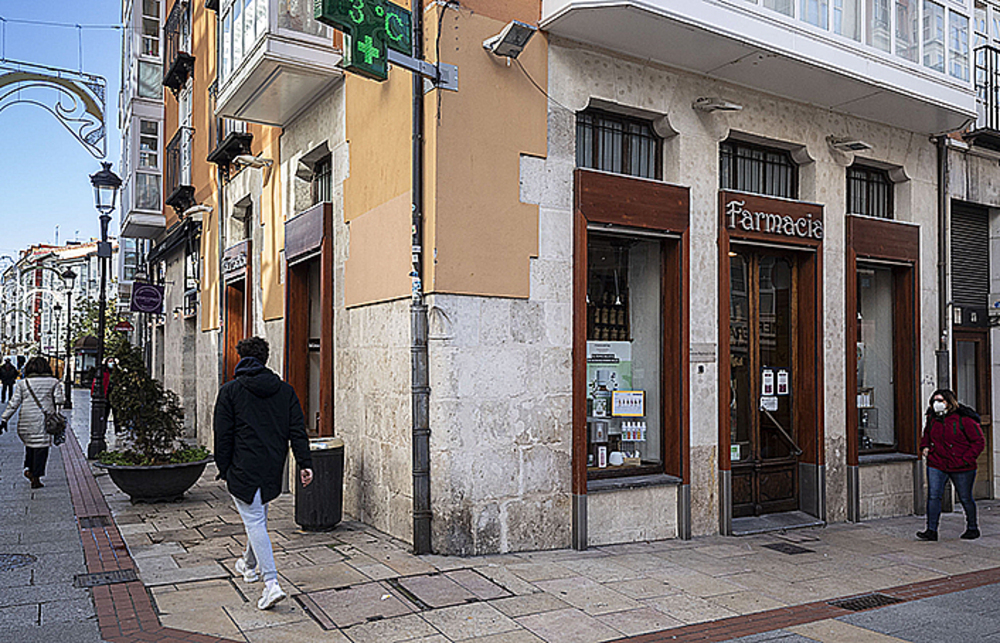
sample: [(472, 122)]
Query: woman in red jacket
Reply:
[(951, 443)]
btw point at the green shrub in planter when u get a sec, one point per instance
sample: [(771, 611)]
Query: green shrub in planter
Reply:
[(148, 416)]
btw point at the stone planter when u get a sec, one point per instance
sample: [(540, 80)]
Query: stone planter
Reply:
[(157, 483)]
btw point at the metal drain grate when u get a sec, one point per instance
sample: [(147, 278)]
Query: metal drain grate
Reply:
[(104, 578), (13, 561), (91, 522), (788, 548), (866, 602)]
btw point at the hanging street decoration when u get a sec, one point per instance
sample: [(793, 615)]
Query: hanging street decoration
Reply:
[(76, 99)]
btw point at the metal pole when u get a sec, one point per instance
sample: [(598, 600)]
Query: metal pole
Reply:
[(943, 354), (98, 423), (419, 377), (68, 403)]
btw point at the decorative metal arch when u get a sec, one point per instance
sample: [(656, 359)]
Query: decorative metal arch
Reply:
[(76, 99)]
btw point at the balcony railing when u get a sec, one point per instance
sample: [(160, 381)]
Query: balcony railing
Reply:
[(986, 132), (177, 170), (177, 35)]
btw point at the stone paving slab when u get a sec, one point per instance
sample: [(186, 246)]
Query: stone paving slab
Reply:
[(710, 588), (361, 604)]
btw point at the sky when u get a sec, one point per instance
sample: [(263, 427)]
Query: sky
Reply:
[(44, 170)]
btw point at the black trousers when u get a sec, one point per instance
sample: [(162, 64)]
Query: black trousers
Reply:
[(35, 460), (8, 390)]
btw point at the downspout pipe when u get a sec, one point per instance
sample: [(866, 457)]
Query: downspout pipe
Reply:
[(420, 390), (942, 353)]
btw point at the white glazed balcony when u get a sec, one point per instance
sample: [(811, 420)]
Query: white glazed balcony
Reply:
[(747, 44), (276, 63)]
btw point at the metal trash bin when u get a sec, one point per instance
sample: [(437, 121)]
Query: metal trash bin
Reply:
[(320, 506)]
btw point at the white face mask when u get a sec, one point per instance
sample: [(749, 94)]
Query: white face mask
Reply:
[(939, 407)]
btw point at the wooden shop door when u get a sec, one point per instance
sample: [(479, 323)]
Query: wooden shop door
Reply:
[(764, 446)]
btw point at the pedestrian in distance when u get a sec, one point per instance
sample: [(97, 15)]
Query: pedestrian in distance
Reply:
[(951, 442), (36, 394), (8, 375), (257, 416)]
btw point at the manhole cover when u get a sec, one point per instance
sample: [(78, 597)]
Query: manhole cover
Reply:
[(866, 602), (788, 548), (13, 561), (104, 578), (91, 522)]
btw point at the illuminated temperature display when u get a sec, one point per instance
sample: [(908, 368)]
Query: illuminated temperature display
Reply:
[(371, 28)]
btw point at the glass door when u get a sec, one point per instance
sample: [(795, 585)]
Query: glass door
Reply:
[(763, 445), (972, 387)]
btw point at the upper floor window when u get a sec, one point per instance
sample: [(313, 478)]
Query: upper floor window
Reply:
[(847, 18), (754, 168), (958, 45), (322, 182), (149, 144), (616, 143), (243, 22), (150, 77), (915, 30), (151, 28), (933, 35), (869, 192)]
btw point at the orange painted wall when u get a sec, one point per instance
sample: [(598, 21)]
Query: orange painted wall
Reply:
[(478, 236), (483, 236)]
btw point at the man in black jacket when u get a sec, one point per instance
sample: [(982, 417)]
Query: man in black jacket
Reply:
[(8, 375), (257, 415)]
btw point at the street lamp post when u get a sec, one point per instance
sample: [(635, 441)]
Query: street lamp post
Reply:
[(106, 184), (58, 309), (68, 274)]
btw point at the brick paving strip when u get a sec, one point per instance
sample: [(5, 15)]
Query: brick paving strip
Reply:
[(125, 611), (777, 619)]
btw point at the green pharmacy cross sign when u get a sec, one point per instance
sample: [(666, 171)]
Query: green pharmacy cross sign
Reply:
[(371, 28)]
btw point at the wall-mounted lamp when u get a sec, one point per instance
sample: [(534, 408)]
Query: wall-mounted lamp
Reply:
[(511, 41), (249, 160), (197, 211), (847, 144), (715, 104)]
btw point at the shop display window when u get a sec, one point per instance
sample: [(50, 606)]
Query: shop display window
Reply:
[(876, 394), (624, 355)]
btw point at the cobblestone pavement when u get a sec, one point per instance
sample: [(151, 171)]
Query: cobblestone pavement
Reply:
[(355, 584)]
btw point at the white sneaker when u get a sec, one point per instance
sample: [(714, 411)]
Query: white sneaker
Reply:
[(271, 596), (250, 574)]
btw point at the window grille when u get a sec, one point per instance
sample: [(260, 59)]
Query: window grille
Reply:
[(616, 143), (760, 170), (323, 180), (869, 192)]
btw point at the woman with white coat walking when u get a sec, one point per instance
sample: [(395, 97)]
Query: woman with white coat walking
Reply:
[(38, 380)]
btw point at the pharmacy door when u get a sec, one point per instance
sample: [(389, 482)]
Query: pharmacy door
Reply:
[(763, 450)]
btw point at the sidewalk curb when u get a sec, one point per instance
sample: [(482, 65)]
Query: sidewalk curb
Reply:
[(125, 611)]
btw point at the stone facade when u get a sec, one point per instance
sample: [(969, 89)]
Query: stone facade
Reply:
[(886, 489), (579, 77)]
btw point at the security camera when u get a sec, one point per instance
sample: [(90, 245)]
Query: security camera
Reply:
[(511, 41)]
